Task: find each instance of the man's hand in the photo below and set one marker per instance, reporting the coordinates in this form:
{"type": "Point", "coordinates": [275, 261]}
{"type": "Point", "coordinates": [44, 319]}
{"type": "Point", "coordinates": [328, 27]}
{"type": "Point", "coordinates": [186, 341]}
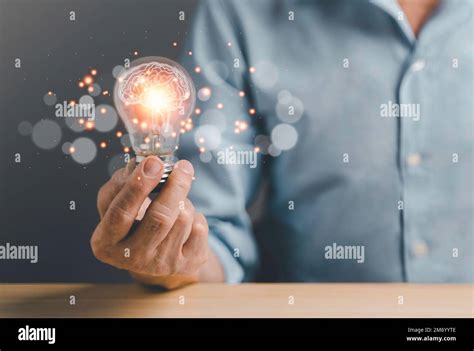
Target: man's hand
{"type": "Point", "coordinates": [169, 246]}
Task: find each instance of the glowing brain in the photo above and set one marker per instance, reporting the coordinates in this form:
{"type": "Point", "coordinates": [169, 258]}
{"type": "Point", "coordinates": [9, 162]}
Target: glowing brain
{"type": "Point", "coordinates": [155, 85]}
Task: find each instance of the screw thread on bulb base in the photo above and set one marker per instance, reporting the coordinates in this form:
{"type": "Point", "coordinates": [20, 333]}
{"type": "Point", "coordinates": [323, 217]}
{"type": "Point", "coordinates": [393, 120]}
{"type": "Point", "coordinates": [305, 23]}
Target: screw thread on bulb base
{"type": "Point", "coordinates": [169, 162]}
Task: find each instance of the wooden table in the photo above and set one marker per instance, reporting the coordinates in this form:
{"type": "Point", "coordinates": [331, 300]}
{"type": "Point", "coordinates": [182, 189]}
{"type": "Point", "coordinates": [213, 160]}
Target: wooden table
{"type": "Point", "coordinates": [245, 300]}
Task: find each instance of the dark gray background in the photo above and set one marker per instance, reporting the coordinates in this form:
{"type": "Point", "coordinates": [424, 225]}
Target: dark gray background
{"type": "Point", "coordinates": [55, 52]}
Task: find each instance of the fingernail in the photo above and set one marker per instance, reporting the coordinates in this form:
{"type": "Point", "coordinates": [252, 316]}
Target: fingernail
{"type": "Point", "coordinates": [185, 166]}
{"type": "Point", "coordinates": [152, 167]}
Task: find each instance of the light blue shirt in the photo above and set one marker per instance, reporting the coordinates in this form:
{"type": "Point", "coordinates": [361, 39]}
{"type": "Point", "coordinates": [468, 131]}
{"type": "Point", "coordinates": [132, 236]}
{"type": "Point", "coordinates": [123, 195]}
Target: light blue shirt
{"type": "Point", "coordinates": [365, 134]}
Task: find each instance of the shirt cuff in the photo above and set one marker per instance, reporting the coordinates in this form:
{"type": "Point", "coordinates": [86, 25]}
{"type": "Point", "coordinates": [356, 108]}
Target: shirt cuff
{"type": "Point", "coordinates": [232, 269]}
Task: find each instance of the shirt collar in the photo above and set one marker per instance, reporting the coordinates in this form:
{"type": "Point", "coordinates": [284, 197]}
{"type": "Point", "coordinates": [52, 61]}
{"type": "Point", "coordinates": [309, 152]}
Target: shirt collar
{"type": "Point", "coordinates": [393, 9]}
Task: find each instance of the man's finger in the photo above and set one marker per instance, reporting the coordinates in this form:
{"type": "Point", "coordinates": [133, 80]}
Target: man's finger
{"type": "Point", "coordinates": [163, 211]}
{"type": "Point", "coordinates": [124, 208]}
{"type": "Point", "coordinates": [180, 231]}
{"type": "Point", "coordinates": [110, 189]}
{"type": "Point", "coordinates": [197, 243]}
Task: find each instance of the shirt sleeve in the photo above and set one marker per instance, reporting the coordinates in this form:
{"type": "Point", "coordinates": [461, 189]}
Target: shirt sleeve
{"type": "Point", "coordinates": [214, 55]}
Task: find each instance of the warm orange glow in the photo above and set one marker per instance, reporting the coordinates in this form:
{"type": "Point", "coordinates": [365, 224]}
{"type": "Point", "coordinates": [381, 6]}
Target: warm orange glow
{"type": "Point", "coordinates": [197, 111]}
{"type": "Point", "coordinates": [252, 111]}
{"type": "Point", "coordinates": [88, 80]}
{"type": "Point", "coordinates": [81, 84]}
{"type": "Point", "coordinates": [94, 72]}
{"type": "Point", "coordinates": [103, 145]}
{"type": "Point", "coordinates": [126, 150]}
{"type": "Point", "coordinates": [119, 134]}
{"type": "Point", "coordinates": [197, 69]}
{"type": "Point", "coordinates": [72, 149]}
{"type": "Point", "coordinates": [206, 91]}
{"type": "Point", "coordinates": [220, 106]}
{"type": "Point", "coordinates": [242, 94]}
{"type": "Point", "coordinates": [103, 110]}
{"type": "Point", "coordinates": [89, 125]}
{"type": "Point", "coordinates": [158, 99]}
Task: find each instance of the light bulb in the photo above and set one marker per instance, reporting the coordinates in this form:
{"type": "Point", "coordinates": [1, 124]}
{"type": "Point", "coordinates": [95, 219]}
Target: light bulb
{"type": "Point", "coordinates": [153, 97]}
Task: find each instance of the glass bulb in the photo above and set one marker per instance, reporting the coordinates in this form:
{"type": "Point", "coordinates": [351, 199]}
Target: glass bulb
{"type": "Point", "coordinates": [153, 98]}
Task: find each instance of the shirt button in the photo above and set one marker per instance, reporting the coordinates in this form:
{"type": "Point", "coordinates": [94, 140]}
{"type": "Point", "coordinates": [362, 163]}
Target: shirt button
{"type": "Point", "coordinates": [420, 248]}
{"type": "Point", "coordinates": [414, 159]}
{"type": "Point", "coordinates": [418, 65]}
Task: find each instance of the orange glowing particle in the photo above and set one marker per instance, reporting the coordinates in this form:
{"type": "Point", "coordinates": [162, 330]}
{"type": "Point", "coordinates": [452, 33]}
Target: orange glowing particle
{"type": "Point", "coordinates": [103, 145]}
{"type": "Point", "coordinates": [189, 127]}
{"type": "Point", "coordinates": [119, 134]}
{"type": "Point", "coordinates": [126, 150]}
{"type": "Point", "coordinates": [50, 93]}
{"type": "Point", "coordinates": [89, 125]}
{"type": "Point", "coordinates": [103, 110]}
{"type": "Point", "coordinates": [144, 125]}
{"type": "Point", "coordinates": [173, 134]}
{"type": "Point", "coordinates": [183, 123]}
{"type": "Point", "coordinates": [81, 84]}
{"type": "Point", "coordinates": [135, 53]}
{"type": "Point", "coordinates": [257, 149]}
{"type": "Point", "coordinates": [72, 149]}
{"type": "Point", "coordinates": [252, 69]}
{"type": "Point", "coordinates": [206, 91]}
{"type": "Point", "coordinates": [197, 111]}
{"type": "Point", "coordinates": [182, 130]}
{"type": "Point", "coordinates": [242, 94]}
{"type": "Point", "coordinates": [190, 53]}
{"type": "Point", "coordinates": [139, 178]}
{"type": "Point", "coordinates": [237, 130]}
{"type": "Point", "coordinates": [105, 92]}
{"type": "Point", "coordinates": [81, 121]}
{"type": "Point", "coordinates": [201, 140]}
{"type": "Point", "coordinates": [90, 89]}
{"type": "Point", "coordinates": [220, 106]}
{"type": "Point", "coordinates": [197, 69]}
{"type": "Point", "coordinates": [252, 111]}
{"type": "Point", "coordinates": [135, 121]}
{"type": "Point", "coordinates": [157, 145]}
{"type": "Point", "coordinates": [175, 44]}
{"type": "Point", "coordinates": [147, 140]}
{"type": "Point", "coordinates": [243, 126]}
{"type": "Point", "coordinates": [72, 102]}
{"type": "Point", "coordinates": [94, 72]}
{"type": "Point", "coordinates": [202, 149]}
{"type": "Point", "coordinates": [88, 80]}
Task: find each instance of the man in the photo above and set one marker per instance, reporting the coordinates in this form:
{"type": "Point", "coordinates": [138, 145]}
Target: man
{"type": "Point", "coordinates": [365, 110]}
